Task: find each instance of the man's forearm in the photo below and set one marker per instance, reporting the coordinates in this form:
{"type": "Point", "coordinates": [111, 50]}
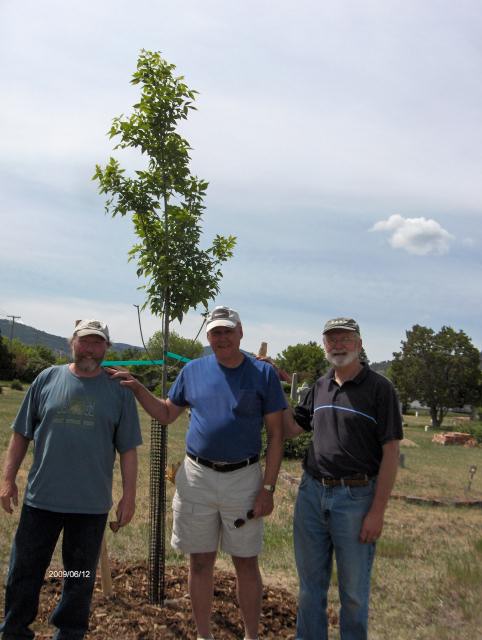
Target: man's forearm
{"type": "Point", "coordinates": [128, 466]}
{"type": "Point", "coordinates": [155, 407]}
{"type": "Point", "coordinates": [290, 427]}
{"type": "Point", "coordinates": [274, 452]}
{"type": "Point", "coordinates": [386, 476]}
{"type": "Point", "coordinates": [16, 451]}
{"type": "Point", "coordinates": [163, 411]}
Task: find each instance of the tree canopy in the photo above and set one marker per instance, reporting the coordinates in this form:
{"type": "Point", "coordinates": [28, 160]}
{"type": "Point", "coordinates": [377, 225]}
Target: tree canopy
{"type": "Point", "coordinates": [179, 345]}
{"type": "Point", "coordinates": [6, 367]}
{"type": "Point", "coordinates": [440, 370]}
{"type": "Point", "coordinates": [30, 360]}
{"type": "Point", "coordinates": [307, 360]}
{"type": "Point", "coordinates": [164, 198]}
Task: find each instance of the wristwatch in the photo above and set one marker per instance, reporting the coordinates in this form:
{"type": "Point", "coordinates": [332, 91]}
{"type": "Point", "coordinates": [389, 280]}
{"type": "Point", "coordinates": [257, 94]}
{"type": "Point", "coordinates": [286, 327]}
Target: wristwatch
{"type": "Point", "coordinates": [269, 487]}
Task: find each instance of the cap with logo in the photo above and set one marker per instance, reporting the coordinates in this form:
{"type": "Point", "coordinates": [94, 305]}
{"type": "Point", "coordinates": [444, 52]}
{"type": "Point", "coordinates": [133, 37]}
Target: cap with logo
{"type": "Point", "coordinates": [222, 317]}
{"type": "Point", "coordinates": [91, 327]}
{"type": "Point", "coordinates": [346, 324]}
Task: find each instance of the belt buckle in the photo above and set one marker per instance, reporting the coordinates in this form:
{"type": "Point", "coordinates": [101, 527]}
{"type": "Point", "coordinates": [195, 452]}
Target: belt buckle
{"type": "Point", "coordinates": [361, 481]}
{"type": "Point", "coordinates": [218, 466]}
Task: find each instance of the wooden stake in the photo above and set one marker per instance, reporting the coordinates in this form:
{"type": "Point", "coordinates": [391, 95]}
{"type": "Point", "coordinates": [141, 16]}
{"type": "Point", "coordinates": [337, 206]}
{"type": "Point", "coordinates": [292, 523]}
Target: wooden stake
{"type": "Point", "coordinates": [105, 575]}
{"type": "Point", "coordinates": [263, 350]}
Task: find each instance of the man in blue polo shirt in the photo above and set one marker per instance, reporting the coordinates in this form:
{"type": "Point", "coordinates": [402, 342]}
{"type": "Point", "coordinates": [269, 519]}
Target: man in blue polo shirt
{"type": "Point", "coordinates": [221, 491]}
{"type": "Point", "coordinates": [349, 472]}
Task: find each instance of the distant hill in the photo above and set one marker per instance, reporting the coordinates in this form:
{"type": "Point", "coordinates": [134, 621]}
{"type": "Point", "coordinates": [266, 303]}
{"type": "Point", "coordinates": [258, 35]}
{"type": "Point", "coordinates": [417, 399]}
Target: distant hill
{"type": "Point", "coordinates": [31, 336]}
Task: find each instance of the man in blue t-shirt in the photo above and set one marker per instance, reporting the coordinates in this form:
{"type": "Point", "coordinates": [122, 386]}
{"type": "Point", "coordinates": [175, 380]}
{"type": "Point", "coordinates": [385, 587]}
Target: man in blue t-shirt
{"type": "Point", "coordinates": [221, 491]}
{"type": "Point", "coordinates": [77, 418]}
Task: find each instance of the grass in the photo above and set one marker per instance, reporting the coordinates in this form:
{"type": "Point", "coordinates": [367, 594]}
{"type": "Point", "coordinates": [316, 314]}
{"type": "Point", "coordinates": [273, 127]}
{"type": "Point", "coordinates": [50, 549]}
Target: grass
{"type": "Point", "coordinates": [438, 471]}
{"type": "Point", "coordinates": [427, 578]}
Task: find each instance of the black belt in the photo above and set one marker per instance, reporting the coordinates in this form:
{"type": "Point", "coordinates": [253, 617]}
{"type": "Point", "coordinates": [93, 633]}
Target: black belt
{"type": "Point", "coordinates": [358, 480]}
{"type": "Point", "coordinates": [223, 466]}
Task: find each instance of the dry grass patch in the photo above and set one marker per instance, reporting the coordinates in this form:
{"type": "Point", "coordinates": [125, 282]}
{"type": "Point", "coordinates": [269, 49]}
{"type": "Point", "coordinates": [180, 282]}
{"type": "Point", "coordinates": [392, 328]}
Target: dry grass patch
{"type": "Point", "coordinates": [427, 582]}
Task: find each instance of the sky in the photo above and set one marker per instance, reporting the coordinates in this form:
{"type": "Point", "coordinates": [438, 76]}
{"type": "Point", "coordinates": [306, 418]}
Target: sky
{"type": "Point", "coordinates": [341, 142]}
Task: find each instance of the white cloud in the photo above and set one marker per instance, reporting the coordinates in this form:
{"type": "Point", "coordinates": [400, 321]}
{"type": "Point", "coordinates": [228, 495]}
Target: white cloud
{"type": "Point", "coordinates": [420, 236]}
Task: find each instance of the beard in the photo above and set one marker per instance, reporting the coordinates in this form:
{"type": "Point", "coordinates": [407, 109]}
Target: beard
{"type": "Point", "coordinates": [343, 360]}
{"type": "Point", "coordinates": [87, 364]}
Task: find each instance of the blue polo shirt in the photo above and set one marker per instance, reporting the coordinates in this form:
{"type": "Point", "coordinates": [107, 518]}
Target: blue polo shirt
{"type": "Point", "coordinates": [227, 406]}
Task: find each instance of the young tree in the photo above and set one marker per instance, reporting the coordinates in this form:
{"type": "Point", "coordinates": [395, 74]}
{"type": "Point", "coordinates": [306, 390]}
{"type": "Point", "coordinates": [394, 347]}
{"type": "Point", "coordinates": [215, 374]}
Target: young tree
{"type": "Point", "coordinates": [441, 370]}
{"type": "Point", "coordinates": [164, 198]}
{"type": "Point", "coordinates": [166, 204]}
{"type": "Point", "coordinates": [308, 360]}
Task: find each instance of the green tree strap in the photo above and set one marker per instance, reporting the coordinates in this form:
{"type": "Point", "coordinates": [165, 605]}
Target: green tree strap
{"type": "Point", "coordinates": [143, 363]}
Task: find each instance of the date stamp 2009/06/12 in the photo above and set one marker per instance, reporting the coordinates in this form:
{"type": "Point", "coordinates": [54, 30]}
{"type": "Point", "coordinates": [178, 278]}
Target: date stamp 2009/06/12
{"type": "Point", "coordinates": [61, 573]}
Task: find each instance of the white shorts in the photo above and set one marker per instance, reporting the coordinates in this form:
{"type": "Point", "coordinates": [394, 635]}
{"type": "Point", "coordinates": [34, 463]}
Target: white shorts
{"type": "Point", "coordinates": [206, 505]}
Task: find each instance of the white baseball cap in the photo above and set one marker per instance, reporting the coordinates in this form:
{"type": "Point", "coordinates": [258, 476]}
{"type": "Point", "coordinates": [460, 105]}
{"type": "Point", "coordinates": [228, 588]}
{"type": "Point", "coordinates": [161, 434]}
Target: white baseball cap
{"type": "Point", "coordinates": [222, 317]}
{"type": "Point", "coordinates": [91, 327]}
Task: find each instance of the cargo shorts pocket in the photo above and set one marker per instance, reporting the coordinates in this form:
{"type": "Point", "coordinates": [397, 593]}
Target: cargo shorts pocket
{"type": "Point", "coordinates": [195, 527]}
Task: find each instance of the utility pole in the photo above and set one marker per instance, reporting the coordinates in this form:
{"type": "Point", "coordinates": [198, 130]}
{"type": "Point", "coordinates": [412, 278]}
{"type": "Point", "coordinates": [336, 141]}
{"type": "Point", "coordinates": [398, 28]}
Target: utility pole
{"type": "Point", "coordinates": [12, 327]}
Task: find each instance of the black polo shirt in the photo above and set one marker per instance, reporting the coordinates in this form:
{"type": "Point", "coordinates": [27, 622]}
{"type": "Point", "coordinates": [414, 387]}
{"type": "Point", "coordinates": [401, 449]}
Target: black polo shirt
{"type": "Point", "coordinates": [350, 423]}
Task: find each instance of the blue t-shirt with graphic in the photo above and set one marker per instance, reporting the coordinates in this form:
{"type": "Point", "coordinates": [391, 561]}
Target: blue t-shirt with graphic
{"type": "Point", "coordinates": [227, 406]}
{"type": "Point", "coordinates": [77, 424]}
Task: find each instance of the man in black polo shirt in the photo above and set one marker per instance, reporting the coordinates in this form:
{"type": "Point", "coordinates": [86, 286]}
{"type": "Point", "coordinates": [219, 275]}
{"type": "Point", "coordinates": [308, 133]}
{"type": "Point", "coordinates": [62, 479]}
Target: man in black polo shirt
{"type": "Point", "coordinates": [349, 471]}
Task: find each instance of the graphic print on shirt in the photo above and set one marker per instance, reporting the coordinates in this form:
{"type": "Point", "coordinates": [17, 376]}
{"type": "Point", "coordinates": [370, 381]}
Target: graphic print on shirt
{"type": "Point", "coordinates": [78, 412]}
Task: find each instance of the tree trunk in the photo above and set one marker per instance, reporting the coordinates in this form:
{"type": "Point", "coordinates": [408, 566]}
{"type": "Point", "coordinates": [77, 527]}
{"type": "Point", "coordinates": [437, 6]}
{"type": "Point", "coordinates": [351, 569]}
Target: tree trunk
{"type": "Point", "coordinates": [157, 515]}
{"type": "Point", "coordinates": [436, 422]}
{"type": "Point", "coordinates": [165, 343]}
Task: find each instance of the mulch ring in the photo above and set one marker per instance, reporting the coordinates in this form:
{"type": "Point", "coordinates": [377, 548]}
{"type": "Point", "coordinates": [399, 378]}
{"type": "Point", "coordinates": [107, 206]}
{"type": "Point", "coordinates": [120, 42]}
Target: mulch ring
{"type": "Point", "coordinates": [129, 616]}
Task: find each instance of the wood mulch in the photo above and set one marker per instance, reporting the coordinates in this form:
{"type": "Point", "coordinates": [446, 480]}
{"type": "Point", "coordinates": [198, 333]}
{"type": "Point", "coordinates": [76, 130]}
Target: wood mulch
{"type": "Point", "coordinates": [129, 616]}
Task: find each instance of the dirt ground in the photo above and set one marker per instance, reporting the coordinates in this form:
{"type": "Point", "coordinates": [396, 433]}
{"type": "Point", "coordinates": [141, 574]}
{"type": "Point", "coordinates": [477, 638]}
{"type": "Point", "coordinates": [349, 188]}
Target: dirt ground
{"type": "Point", "coordinates": [129, 616]}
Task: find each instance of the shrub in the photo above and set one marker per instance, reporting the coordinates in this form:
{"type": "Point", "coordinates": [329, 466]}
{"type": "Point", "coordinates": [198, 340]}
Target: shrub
{"type": "Point", "coordinates": [17, 385]}
{"type": "Point", "coordinates": [294, 448]}
{"type": "Point", "coordinates": [475, 430]}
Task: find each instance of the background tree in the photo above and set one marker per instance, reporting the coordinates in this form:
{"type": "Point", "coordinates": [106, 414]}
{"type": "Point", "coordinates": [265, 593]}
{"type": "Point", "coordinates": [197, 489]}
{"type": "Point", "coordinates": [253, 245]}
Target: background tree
{"type": "Point", "coordinates": [178, 345]}
{"type": "Point", "coordinates": [440, 370]}
{"type": "Point", "coordinates": [166, 204]}
{"type": "Point", "coordinates": [308, 360]}
{"type": "Point", "coordinates": [29, 360]}
{"type": "Point", "coordinates": [6, 360]}
{"type": "Point", "coordinates": [39, 358]}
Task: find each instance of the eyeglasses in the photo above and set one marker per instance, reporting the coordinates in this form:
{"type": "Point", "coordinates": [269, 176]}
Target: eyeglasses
{"type": "Point", "coordinates": [240, 521]}
{"type": "Point", "coordinates": [344, 341]}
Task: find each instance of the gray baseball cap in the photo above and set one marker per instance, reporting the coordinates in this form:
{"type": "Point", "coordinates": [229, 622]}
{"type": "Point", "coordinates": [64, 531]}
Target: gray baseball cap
{"type": "Point", "coordinates": [346, 324]}
{"type": "Point", "coordinates": [91, 327]}
{"type": "Point", "coordinates": [222, 317]}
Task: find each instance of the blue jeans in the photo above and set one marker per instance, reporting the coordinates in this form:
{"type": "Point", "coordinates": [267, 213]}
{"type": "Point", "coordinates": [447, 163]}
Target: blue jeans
{"type": "Point", "coordinates": [329, 519]}
{"type": "Point", "coordinates": [33, 546]}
